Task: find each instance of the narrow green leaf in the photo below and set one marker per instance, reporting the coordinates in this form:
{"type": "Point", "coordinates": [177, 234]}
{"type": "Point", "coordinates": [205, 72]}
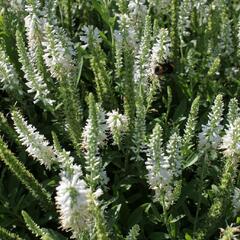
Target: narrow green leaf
{"type": "Point", "coordinates": [27, 179]}
{"type": "Point", "coordinates": [6, 235]}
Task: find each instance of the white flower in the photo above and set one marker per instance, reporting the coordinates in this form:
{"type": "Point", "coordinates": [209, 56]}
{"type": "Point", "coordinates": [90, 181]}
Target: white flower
{"type": "Point", "coordinates": [233, 111]}
{"type": "Point", "coordinates": [94, 136]}
{"type": "Point", "coordinates": [59, 52]}
{"type": "Point", "coordinates": [34, 79]}
{"type": "Point", "coordinates": [66, 161]}
{"type": "Point", "coordinates": [37, 145]}
{"type": "Point", "coordinates": [203, 11]}
{"type": "Point", "coordinates": [98, 193]}
{"type": "Point", "coordinates": [210, 137]}
{"type": "Point", "coordinates": [90, 35]}
{"type": "Point", "coordinates": [231, 139]}
{"type": "Point", "coordinates": [137, 13]}
{"type": "Point", "coordinates": [37, 85]}
{"type": "Point", "coordinates": [128, 30]}
{"type": "Point", "coordinates": [72, 200]}
{"type": "Point", "coordinates": [159, 175]}
{"type": "Point", "coordinates": [118, 36]}
{"type": "Point", "coordinates": [118, 52]}
{"type": "Point", "coordinates": [137, 9]}
{"type": "Point", "coordinates": [173, 155]}
{"type": "Point", "coordinates": [161, 50]}
{"type": "Point", "coordinates": [100, 131]}
{"type": "Point", "coordinates": [17, 5]}
{"type": "Point", "coordinates": [8, 75]}
{"type": "Point", "coordinates": [34, 24]}
{"type": "Point", "coordinates": [117, 123]}
{"type": "Point", "coordinates": [184, 21]}
{"type": "Point", "coordinates": [160, 6]}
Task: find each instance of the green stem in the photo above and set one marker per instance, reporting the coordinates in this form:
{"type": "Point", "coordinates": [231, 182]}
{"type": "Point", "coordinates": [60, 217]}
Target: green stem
{"type": "Point", "coordinates": [205, 160]}
{"type": "Point", "coordinates": [165, 216]}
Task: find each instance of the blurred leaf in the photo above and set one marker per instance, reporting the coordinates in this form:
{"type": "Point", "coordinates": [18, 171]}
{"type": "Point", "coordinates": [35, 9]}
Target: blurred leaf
{"type": "Point", "coordinates": [188, 237]}
{"type": "Point", "coordinates": [192, 159]}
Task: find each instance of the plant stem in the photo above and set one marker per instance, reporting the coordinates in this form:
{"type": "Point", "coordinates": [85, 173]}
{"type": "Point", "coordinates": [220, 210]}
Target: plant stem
{"type": "Point", "coordinates": [205, 160]}
{"type": "Point", "coordinates": [165, 216]}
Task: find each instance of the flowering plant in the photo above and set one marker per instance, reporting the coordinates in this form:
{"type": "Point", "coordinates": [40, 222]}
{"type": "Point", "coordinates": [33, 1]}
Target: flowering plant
{"type": "Point", "coordinates": [114, 120]}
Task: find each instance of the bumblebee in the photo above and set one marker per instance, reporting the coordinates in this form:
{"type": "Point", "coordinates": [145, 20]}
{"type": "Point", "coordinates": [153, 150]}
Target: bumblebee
{"type": "Point", "coordinates": [163, 68]}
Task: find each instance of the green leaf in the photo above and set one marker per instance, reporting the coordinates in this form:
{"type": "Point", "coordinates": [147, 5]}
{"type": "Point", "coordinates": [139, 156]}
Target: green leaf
{"type": "Point", "coordinates": [31, 225]}
{"type": "Point", "coordinates": [6, 235]}
{"type": "Point", "coordinates": [176, 219]}
{"type": "Point", "coordinates": [136, 216]}
{"type": "Point", "coordinates": [79, 72]}
{"type": "Point", "coordinates": [191, 160]}
{"type": "Point", "coordinates": [25, 176]}
{"type": "Point", "coordinates": [180, 110]}
{"type": "Point", "coordinates": [188, 237]}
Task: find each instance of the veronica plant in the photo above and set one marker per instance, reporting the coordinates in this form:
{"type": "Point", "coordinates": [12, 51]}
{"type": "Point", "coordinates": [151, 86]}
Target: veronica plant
{"type": "Point", "coordinates": [113, 81]}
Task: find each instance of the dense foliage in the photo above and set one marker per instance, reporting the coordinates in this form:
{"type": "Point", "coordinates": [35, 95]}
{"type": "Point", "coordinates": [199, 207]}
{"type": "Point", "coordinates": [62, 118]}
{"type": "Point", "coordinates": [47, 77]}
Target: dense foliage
{"type": "Point", "coordinates": [119, 119]}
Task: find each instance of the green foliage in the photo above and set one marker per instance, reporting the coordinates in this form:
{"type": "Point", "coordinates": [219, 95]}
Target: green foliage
{"type": "Point", "coordinates": [44, 234]}
{"type": "Point", "coordinates": [32, 226]}
{"type": "Point", "coordinates": [5, 234]}
{"type": "Point", "coordinates": [134, 233]}
{"type": "Point", "coordinates": [129, 99]}
{"type": "Point", "coordinates": [25, 176]}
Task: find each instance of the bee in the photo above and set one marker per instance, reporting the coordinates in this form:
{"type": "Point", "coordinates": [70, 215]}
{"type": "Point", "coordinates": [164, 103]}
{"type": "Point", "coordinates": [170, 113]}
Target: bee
{"type": "Point", "coordinates": [161, 69]}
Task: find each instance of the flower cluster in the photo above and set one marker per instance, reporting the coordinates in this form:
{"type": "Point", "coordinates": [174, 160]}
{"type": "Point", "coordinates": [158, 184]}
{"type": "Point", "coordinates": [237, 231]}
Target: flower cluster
{"type": "Point", "coordinates": [210, 135]}
{"type": "Point", "coordinates": [58, 52]}
{"type": "Point", "coordinates": [118, 52]}
{"type": "Point", "coordinates": [137, 10]}
{"type": "Point", "coordinates": [117, 123]}
{"type": "Point", "coordinates": [34, 30]}
{"type": "Point", "coordinates": [161, 50]}
{"type": "Point", "coordinates": [94, 136]}
{"type": "Point", "coordinates": [191, 124]}
{"type": "Point", "coordinates": [203, 9]}
{"type": "Point", "coordinates": [143, 55]}
{"type": "Point", "coordinates": [75, 200]}
{"type": "Point", "coordinates": [173, 155]}
{"type": "Point", "coordinates": [100, 132]}
{"type": "Point", "coordinates": [35, 80]}
{"type": "Point", "coordinates": [139, 133]}
{"type": "Point", "coordinates": [131, 21]}
{"type": "Point", "coordinates": [127, 30]}
{"type": "Point", "coordinates": [231, 139]}
{"type": "Point", "coordinates": [233, 111]}
{"type": "Point", "coordinates": [8, 75]}
{"type": "Point", "coordinates": [230, 232]}
{"type": "Point", "coordinates": [184, 21]}
{"type": "Point", "coordinates": [33, 19]}
{"type": "Point", "coordinates": [225, 35]}
{"type": "Point", "coordinates": [17, 5]}
{"type": "Point", "coordinates": [72, 199]}
{"type": "Point", "coordinates": [37, 145]}
{"type": "Point", "coordinates": [159, 173]}
{"type": "Point", "coordinates": [164, 170]}
{"type": "Point", "coordinates": [90, 36]}
{"type": "Point", "coordinates": [160, 6]}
